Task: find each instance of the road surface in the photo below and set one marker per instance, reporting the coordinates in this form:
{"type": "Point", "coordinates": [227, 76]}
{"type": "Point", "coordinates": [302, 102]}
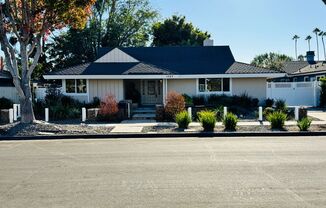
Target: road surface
{"type": "Point", "coordinates": [183, 172]}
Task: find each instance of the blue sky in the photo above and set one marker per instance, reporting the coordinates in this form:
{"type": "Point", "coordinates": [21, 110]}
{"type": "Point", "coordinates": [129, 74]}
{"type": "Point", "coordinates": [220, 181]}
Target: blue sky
{"type": "Point", "coordinates": [252, 27]}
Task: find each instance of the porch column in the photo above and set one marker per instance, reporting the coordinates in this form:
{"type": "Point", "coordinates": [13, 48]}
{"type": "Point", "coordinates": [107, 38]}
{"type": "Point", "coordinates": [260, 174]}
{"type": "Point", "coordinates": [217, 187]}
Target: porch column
{"type": "Point", "coordinates": [165, 89]}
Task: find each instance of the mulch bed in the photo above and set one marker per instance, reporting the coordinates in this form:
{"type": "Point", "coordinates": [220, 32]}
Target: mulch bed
{"type": "Point", "coordinates": [41, 128]}
{"type": "Point", "coordinates": [261, 128]}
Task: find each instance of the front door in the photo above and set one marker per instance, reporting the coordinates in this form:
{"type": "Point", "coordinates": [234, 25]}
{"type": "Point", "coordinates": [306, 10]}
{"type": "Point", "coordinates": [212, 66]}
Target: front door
{"type": "Point", "coordinates": [152, 92]}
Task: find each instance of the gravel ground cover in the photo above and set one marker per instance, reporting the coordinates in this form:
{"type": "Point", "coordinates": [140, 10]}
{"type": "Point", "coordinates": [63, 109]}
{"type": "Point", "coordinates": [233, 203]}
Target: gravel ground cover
{"type": "Point", "coordinates": [42, 128]}
{"type": "Point", "coordinates": [260, 128]}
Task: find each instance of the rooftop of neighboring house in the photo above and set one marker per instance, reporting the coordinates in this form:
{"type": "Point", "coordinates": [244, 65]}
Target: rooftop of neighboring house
{"type": "Point", "coordinates": [304, 67]}
{"type": "Point", "coordinates": [164, 61]}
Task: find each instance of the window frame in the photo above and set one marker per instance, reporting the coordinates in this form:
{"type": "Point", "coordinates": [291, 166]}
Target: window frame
{"type": "Point", "coordinates": [214, 92]}
{"type": "Point", "coordinates": [76, 91]}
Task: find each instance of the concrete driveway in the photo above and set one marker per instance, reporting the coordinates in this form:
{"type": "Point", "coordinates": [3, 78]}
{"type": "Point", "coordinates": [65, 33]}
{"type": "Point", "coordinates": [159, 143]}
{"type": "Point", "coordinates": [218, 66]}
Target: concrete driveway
{"type": "Point", "coordinates": [221, 172]}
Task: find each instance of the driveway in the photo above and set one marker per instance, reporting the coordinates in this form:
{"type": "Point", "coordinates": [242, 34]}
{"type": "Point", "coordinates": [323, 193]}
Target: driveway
{"type": "Point", "coordinates": [320, 114]}
{"type": "Point", "coordinates": [190, 172]}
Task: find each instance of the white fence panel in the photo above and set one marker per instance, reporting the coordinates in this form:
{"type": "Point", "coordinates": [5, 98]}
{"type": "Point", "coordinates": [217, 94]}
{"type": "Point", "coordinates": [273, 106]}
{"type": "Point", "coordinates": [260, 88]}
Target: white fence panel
{"type": "Point", "coordinates": [295, 93]}
{"type": "Point", "coordinates": [9, 93]}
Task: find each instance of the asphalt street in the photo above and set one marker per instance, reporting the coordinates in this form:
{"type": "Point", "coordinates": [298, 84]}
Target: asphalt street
{"type": "Point", "coordinates": [181, 172]}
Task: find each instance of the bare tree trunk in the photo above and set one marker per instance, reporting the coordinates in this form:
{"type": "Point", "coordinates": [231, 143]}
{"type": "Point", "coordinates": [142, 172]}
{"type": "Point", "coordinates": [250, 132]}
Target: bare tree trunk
{"type": "Point", "coordinates": [322, 38]}
{"type": "Point", "coordinates": [27, 113]}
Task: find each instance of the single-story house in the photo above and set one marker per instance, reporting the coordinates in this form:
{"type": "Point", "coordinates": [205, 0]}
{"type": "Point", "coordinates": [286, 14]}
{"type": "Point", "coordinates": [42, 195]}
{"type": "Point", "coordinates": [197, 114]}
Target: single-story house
{"type": "Point", "coordinates": [303, 71]}
{"type": "Point", "coordinates": [151, 72]}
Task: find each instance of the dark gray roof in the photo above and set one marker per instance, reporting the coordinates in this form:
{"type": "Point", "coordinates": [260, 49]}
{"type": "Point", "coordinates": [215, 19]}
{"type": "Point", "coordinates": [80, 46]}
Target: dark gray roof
{"type": "Point", "coordinates": [142, 68]}
{"type": "Point", "coordinates": [243, 68]}
{"type": "Point", "coordinates": [168, 60]}
{"type": "Point", "coordinates": [291, 67]}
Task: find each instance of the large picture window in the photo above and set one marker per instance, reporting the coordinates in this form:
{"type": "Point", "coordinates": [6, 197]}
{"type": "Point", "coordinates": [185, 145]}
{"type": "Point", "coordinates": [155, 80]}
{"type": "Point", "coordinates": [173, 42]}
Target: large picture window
{"type": "Point", "coordinates": [78, 86]}
{"type": "Point", "coordinates": [214, 85]}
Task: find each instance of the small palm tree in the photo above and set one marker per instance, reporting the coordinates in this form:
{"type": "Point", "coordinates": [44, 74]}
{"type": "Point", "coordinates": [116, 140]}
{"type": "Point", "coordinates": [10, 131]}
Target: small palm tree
{"type": "Point", "coordinates": [317, 31]}
{"type": "Point", "coordinates": [308, 38]}
{"type": "Point", "coordinates": [295, 38]}
{"type": "Point", "coordinates": [322, 34]}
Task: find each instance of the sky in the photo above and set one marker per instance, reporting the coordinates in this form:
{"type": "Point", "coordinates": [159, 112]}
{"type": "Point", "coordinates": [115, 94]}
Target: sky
{"type": "Point", "coordinates": [252, 27]}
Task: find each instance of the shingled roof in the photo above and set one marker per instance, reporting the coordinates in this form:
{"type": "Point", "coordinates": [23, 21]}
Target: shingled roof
{"type": "Point", "coordinates": [164, 60]}
{"type": "Point", "coordinates": [243, 68]}
{"type": "Point", "coordinates": [291, 67]}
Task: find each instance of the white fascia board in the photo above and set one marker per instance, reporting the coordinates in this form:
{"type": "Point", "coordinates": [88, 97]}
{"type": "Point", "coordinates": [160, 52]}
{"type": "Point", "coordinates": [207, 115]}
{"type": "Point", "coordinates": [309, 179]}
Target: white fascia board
{"type": "Point", "coordinates": [192, 76]}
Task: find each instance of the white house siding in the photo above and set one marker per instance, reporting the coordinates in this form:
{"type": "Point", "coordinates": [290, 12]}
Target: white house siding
{"type": "Point", "coordinates": [9, 93]}
{"type": "Point", "coordinates": [183, 86]}
{"type": "Point", "coordinates": [101, 88]}
{"type": "Point", "coordinates": [255, 87]}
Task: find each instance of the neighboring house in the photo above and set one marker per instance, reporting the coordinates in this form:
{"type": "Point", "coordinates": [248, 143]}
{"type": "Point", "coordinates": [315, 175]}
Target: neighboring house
{"type": "Point", "coordinates": [7, 88]}
{"type": "Point", "coordinates": [147, 74]}
{"type": "Point", "coordinates": [303, 71]}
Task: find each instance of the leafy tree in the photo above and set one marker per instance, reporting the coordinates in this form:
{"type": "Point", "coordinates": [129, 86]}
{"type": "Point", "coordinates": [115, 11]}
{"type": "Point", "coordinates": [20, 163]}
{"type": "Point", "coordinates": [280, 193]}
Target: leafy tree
{"type": "Point", "coordinates": [271, 60]}
{"type": "Point", "coordinates": [175, 31]}
{"type": "Point", "coordinates": [26, 24]}
{"type": "Point", "coordinates": [129, 23]}
{"type": "Point", "coordinates": [301, 57]}
{"type": "Point", "coordinates": [73, 47]}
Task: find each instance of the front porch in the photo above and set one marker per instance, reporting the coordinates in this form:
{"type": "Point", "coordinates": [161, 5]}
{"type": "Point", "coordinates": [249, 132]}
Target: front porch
{"type": "Point", "coordinates": [145, 92]}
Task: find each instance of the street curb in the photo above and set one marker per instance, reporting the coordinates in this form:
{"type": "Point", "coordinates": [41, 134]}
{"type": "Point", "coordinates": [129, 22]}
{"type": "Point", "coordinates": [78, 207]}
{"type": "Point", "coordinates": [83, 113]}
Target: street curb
{"type": "Point", "coordinates": [167, 135]}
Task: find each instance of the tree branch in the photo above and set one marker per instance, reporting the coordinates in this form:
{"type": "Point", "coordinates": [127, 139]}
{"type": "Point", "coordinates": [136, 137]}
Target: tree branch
{"type": "Point", "coordinates": [36, 57]}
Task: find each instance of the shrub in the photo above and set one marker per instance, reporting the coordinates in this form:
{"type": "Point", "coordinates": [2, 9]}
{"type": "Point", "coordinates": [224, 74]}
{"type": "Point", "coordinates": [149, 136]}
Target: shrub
{"type": "Point", "coordinates": [109, 108]}
{"type": "Point", "coordinates": [38, 107]}
{"type": "Point", "coordinates": [175, 104]}
{"type": "Point", "coordinates": [269, 103]}
{"type": "Point", "coordinates": [277, 119]}
{"type": "Point", "coordinates": [198, 100]}
{"type": "Point", "coordinates": [322, 92]}
{"type": "Point", "coordinates": [69, 101]}
{"type": "Point", "coordinates": [230, 122]}
{"type": "Point", "coordinates": [280, 105]}
{"type": "Point", "coordinates": [254, 102]}
{"type": "Point", "coordinates": [217, 100]}
{"type": "Point", "coordinates": [304, 124]}
{"type": "Point", "coordinates": [96, 103]}
{"type": "Point", "coordinates": [219, 111]}
{"type": "Point", "coordinates": [188, 99]}
{"type": "Point", "coordinates": [5, 103]}
{"type": "Point", "coordinates": [183, 119]}
{"type": "Point", "coordinates": [53, 95]}
{"type": "Point", "coordinates": [268, 111]}
{"type": "Point", "coordinates": [207, 120]}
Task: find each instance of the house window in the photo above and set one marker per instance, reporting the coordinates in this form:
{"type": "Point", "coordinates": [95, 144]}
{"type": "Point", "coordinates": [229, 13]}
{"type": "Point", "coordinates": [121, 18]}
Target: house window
{"type": "Point", "coordinates": [295, 79]}
{"type": "Point", "coordinates": [214, 85]}
{"type": "Point", "coordinates": [78, 86]}
{"type": "Point", "coordinates": [318, 78]}
{"type": "Point", "coordinates": [306, 79]}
